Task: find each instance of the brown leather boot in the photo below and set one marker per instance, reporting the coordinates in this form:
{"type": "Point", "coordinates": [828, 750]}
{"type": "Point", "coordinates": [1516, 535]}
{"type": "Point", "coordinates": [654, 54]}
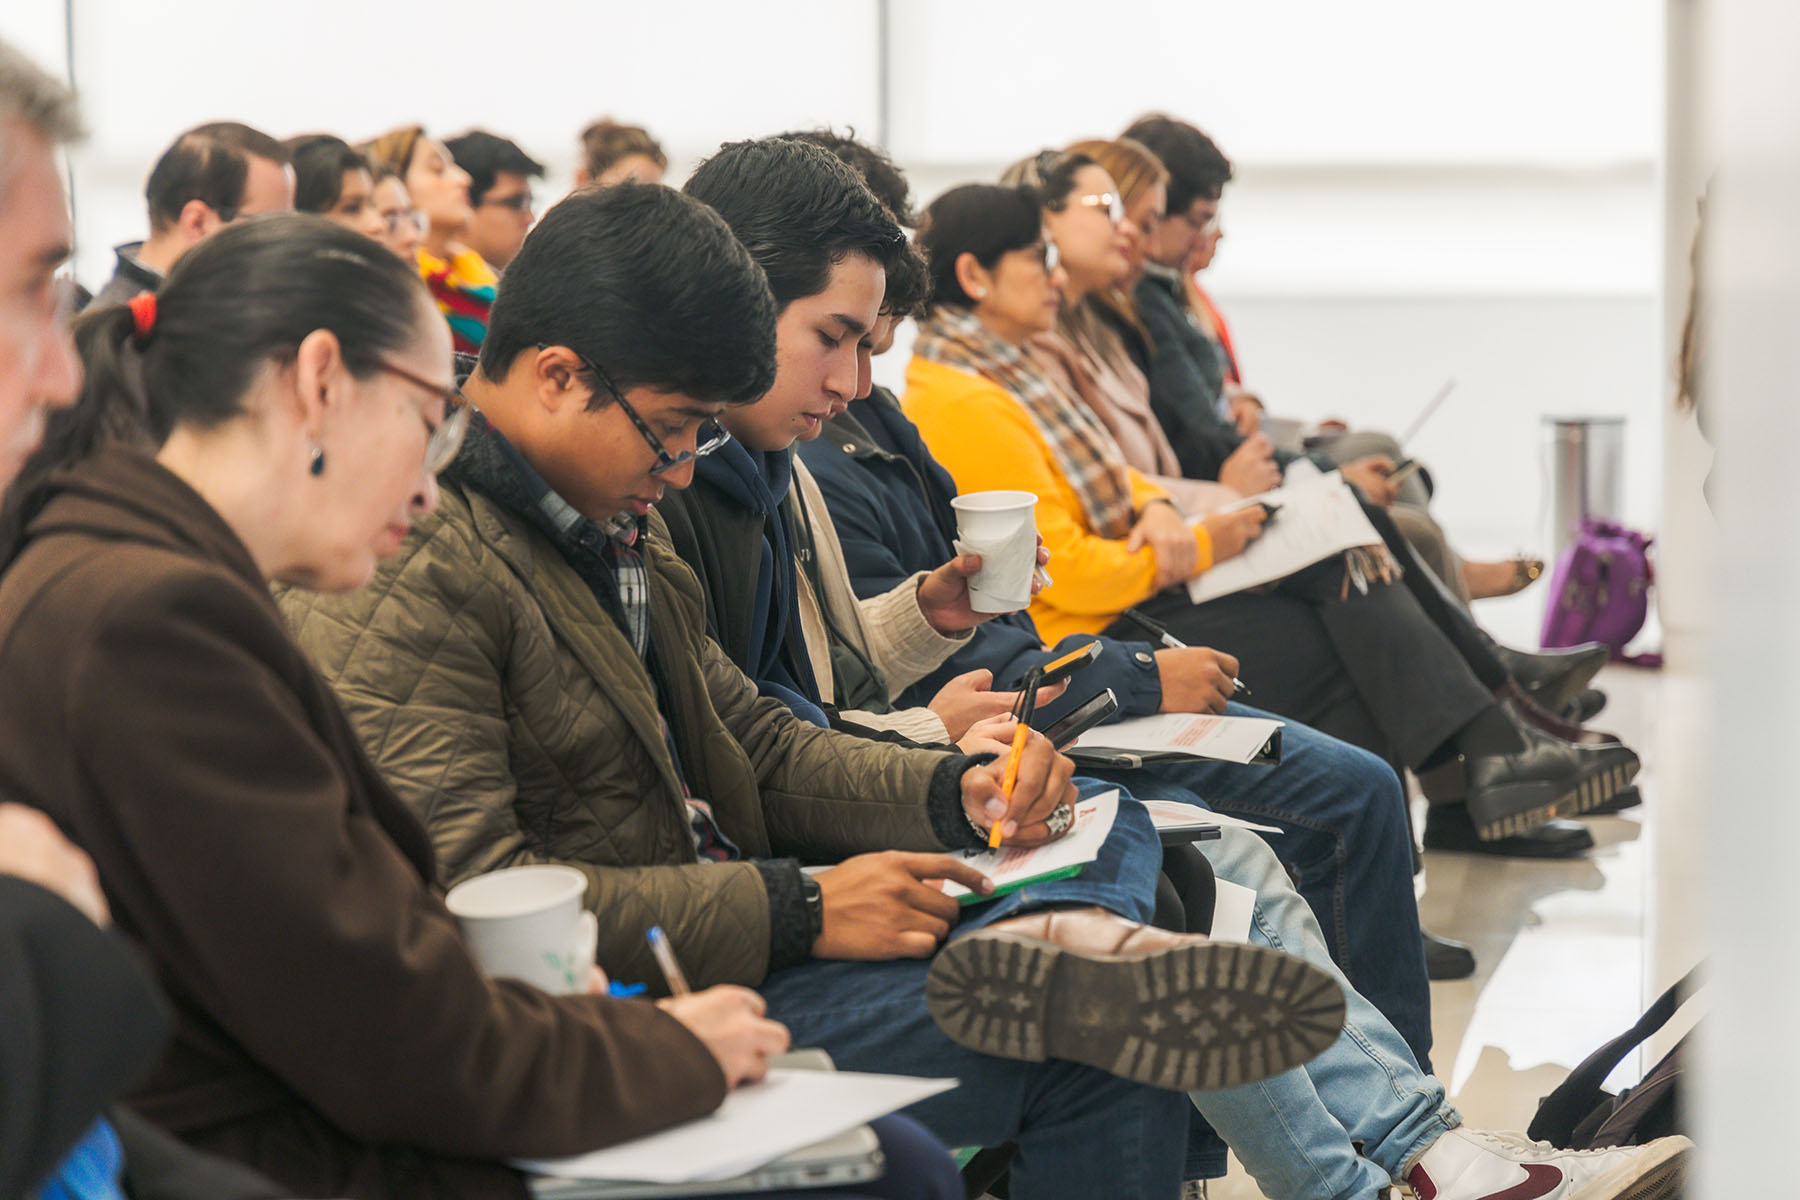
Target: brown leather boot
{"type": "Point", "coordinates": [1172, 1010]}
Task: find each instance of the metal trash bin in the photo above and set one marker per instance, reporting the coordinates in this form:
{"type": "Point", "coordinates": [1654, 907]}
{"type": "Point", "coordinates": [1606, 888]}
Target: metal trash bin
{"type": "Point", "coordinates": [1585, 462]}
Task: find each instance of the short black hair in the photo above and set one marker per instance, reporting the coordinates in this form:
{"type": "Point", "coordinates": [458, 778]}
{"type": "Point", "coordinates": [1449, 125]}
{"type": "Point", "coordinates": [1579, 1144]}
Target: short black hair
{"type": "Point", "coordinates": [648, 283]}
{"type": "Point", "coordinates": [320, 162]}
{"type": "Point", "coordinates": [983, 219]}
{"type": "Point", "coordinates": [907, 284]}
{"type": "Point", "coordinates": [1197, 168]}
{"type": "Point", "coordinates": [880, 172]}
{"type": "Point", "coordinates": [208, 163]}
{"type": "Point", "coordinates": [485, 155]}
{"type": "Point", "coordinates": [799, 210]}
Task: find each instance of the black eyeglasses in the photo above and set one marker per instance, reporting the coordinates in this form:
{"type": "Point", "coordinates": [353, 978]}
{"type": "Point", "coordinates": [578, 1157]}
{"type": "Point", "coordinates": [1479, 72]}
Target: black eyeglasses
{"type": "Point", "coordinates": [518, 202]}
{"type": "Point", "coordinates": [710, 437]}
{"type": "Point", "coordinates": [446, 437]}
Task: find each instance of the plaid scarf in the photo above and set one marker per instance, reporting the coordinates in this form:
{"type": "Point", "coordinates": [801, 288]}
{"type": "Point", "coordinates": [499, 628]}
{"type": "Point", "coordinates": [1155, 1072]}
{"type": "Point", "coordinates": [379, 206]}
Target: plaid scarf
{"type": "Point", "coordinates": [1084, 451]}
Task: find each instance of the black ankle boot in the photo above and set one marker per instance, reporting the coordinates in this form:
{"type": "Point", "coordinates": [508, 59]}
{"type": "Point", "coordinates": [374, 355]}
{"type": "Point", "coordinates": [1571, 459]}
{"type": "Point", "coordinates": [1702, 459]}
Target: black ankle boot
{"type": "Point", "coordinates": [1554, 677]}
{"type": "Point", "coordinates": [1448, 828]}
{"type": "Point", "coordinates": [1513, 783]}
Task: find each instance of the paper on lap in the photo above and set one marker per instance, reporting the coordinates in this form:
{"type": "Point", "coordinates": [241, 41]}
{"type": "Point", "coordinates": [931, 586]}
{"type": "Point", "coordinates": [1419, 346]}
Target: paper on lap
{"type": "Point", "coordinates": [1319, 517]}
{"type": "Point", "coordinates": [757, 1124]}
{"type": "Point", "coordinates": [1013, 867]}
{"type": "Point", "coordinates": [1228, 739]}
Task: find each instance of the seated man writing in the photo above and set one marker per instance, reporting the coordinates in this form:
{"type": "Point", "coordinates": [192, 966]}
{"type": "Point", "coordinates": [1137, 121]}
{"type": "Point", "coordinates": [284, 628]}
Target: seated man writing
{"type": "Point", "coordinates": [531, 674]}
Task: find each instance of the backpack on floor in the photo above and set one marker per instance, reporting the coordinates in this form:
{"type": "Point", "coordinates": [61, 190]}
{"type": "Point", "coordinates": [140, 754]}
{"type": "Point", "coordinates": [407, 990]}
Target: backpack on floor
{"type": "Point", "coordinates": [1600, 589]}
{"type": "Point", "coordinates": [1582, 1115]}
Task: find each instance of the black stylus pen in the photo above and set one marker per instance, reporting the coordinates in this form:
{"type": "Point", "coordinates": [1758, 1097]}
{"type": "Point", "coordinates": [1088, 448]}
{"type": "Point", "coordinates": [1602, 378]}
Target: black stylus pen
{"type": "Point", "coordinates": [1156, 630]}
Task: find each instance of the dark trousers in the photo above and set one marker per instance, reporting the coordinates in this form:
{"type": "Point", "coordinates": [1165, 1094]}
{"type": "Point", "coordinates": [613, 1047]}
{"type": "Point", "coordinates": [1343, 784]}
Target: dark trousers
{"type": "Point", "coordinates": [1370, 668]}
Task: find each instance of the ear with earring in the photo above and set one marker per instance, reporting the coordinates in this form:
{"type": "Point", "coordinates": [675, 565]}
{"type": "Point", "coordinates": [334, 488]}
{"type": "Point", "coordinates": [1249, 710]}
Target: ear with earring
{"type": "Point", "coordinates": [317, 466]}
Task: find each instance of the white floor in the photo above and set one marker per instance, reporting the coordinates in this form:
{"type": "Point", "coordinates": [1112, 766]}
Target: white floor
{"type": "Point", "coordinates": [1569, 953]}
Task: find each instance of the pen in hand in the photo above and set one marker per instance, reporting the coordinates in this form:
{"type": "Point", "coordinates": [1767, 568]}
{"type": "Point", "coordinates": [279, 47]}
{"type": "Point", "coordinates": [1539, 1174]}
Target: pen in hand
{"type": "Point", "coordinates": [1022, 710]}
{"type": "Point", "coordinates": [1157, 630]}
{"type": "Point", "coordinates": [665, 961]}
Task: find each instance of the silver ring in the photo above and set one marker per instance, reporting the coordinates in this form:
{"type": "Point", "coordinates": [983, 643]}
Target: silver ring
{"type": "Point", "coordinates": [1059, 820]}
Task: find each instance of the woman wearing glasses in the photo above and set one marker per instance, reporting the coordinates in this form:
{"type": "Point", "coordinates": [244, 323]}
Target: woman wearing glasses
{"type": "Point", "coordinates": [331, 1029]}
{"type": "Point", "coordinates": [402, 225]}
{"type": "Point", "coordinates": [1342, 646]}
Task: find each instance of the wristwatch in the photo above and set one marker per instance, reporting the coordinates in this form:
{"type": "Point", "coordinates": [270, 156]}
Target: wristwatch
{"type": "Point", "coordinates": [815, 904]}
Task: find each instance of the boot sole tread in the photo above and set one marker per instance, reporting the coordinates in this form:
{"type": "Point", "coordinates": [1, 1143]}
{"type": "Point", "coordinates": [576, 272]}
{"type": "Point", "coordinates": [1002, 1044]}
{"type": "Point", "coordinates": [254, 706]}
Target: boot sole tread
{"type": "Point", "coordinates": [1197, 1016]}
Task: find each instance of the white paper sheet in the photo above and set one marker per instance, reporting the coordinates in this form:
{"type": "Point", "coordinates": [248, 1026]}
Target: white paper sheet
{"type": "Point", "coordinates": [1232, 904]}
{"type": "Point", "coordinates": [757, 1124]}
{"type": "Point", "coordinates": [1319, 517]}
{"type": "Point", "coordinates": [1093, 821]}
{"type": "Point", "coordinates": [1229, 739]}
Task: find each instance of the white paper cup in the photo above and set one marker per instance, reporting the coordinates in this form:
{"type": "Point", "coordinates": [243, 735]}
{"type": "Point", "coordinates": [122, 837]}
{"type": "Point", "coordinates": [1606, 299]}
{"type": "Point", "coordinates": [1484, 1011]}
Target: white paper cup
{"type": "Point", "coordinates": [527, 923]}
{"type": "Point", "coordinates": [1001, 527]}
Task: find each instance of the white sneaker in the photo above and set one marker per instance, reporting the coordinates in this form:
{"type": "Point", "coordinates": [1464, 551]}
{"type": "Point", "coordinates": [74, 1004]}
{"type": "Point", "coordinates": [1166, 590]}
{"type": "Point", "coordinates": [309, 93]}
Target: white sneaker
{"type": "Point", "coordinates": [1474, 1164]}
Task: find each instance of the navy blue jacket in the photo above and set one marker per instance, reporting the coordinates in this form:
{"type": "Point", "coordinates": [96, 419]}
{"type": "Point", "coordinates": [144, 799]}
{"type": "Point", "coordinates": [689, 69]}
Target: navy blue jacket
{"type": "Point", "coordinates": [890, 505]}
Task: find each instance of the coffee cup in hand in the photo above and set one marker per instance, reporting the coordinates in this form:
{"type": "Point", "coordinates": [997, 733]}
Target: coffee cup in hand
{"type": "Point", "coordinates": [1002, 528]}
{"type": "Point", "coordinates": [528, 923]}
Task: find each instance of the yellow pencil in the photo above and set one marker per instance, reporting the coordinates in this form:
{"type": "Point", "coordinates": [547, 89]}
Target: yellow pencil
{"type": "Point", "coordinates": [1009, 779]}
{"type": "Point", "coordinates": [1023, 707]}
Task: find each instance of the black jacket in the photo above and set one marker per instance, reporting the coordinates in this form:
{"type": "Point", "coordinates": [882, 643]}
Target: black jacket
{"type": "Point", "coordinates": [890, 505]}
{"type": "Point", "coordinates": [1186, 376]}
{"type": "Point", "coordinates": [80, 1022]}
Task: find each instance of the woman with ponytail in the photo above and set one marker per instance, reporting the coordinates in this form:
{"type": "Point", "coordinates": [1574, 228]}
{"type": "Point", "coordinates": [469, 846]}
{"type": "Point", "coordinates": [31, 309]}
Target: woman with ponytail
{"type": "Point", "coordinates": [277, 413]}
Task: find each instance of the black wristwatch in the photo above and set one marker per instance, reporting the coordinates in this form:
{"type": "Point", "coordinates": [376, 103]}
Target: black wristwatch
{"type": "Point", "coordinates": [815, 905]}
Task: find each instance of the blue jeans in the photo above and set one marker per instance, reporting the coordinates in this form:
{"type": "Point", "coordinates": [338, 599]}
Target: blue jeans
{"type": "Point", "coordinates": [1081, 1132]}
{"type": "Point", "coordinates": [1342, 814]}
{"type": "Point", "coordinates": [1293, 1132]}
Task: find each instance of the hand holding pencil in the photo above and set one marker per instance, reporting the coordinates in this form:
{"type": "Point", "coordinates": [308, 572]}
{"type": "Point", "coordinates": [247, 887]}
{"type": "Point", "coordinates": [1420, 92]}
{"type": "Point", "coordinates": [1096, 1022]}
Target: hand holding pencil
{"type": "Point", "coordinates": [1016, 797]}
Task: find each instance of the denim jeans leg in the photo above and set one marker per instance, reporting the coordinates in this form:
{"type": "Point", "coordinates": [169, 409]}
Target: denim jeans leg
{"type": "Point", "coordinates": [1344, 833]}
{"type": "Point", "coordinates": [1081, 1132]}
{"type": "Point", "coordinates": [1293, 1132]}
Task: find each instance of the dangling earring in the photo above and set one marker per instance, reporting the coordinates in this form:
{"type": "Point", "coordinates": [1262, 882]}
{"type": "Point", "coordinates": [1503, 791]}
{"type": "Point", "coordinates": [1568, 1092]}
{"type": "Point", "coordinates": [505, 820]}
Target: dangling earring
{"type": "Point", "coordinates": [318, 460]}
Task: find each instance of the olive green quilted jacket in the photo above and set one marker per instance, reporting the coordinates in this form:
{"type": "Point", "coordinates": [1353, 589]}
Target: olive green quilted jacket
{"type": "Point", "coordinates": [504, 705]}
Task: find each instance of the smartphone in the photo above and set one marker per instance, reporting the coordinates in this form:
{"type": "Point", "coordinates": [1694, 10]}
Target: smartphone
{"type": "Point", "coordinates": [1082, 719]}
{"type": "Point", "coordinates": [1407, 467]}
{"type": "Point", "coordinates": [1059, 669]}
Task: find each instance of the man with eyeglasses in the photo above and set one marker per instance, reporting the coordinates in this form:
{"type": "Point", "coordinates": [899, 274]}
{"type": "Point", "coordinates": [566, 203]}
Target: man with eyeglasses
{"type": "Point", "coordinates": [500, 176]}
{"type": "Point", "coordinates": [209, 177]}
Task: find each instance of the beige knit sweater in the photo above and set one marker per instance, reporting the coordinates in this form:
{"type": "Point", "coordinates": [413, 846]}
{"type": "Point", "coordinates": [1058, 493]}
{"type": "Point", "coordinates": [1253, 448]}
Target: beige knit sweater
{"type": "Point", "coordinates": [888, 629]}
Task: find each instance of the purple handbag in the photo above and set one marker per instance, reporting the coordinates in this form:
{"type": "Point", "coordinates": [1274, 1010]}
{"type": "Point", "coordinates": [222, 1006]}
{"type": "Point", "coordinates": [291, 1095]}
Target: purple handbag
{"type": "Point", "coordinates": [1600, 590]}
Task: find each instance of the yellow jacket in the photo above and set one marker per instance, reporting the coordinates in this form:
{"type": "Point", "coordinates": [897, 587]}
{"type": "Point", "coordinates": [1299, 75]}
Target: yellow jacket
{"type": "Point", "coordinates": [988, 442]}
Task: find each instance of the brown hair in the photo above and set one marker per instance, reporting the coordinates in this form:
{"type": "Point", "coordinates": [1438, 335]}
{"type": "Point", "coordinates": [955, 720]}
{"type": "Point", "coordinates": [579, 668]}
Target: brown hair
{"type": "Point", "coordinates": [1135, 170]}
{"type": "Point", "coordinates": [605, 142]}
{"type": "Point", "coordinates": [1130, 163]}
{"type": "Point", "coordinates": [394, 149]}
